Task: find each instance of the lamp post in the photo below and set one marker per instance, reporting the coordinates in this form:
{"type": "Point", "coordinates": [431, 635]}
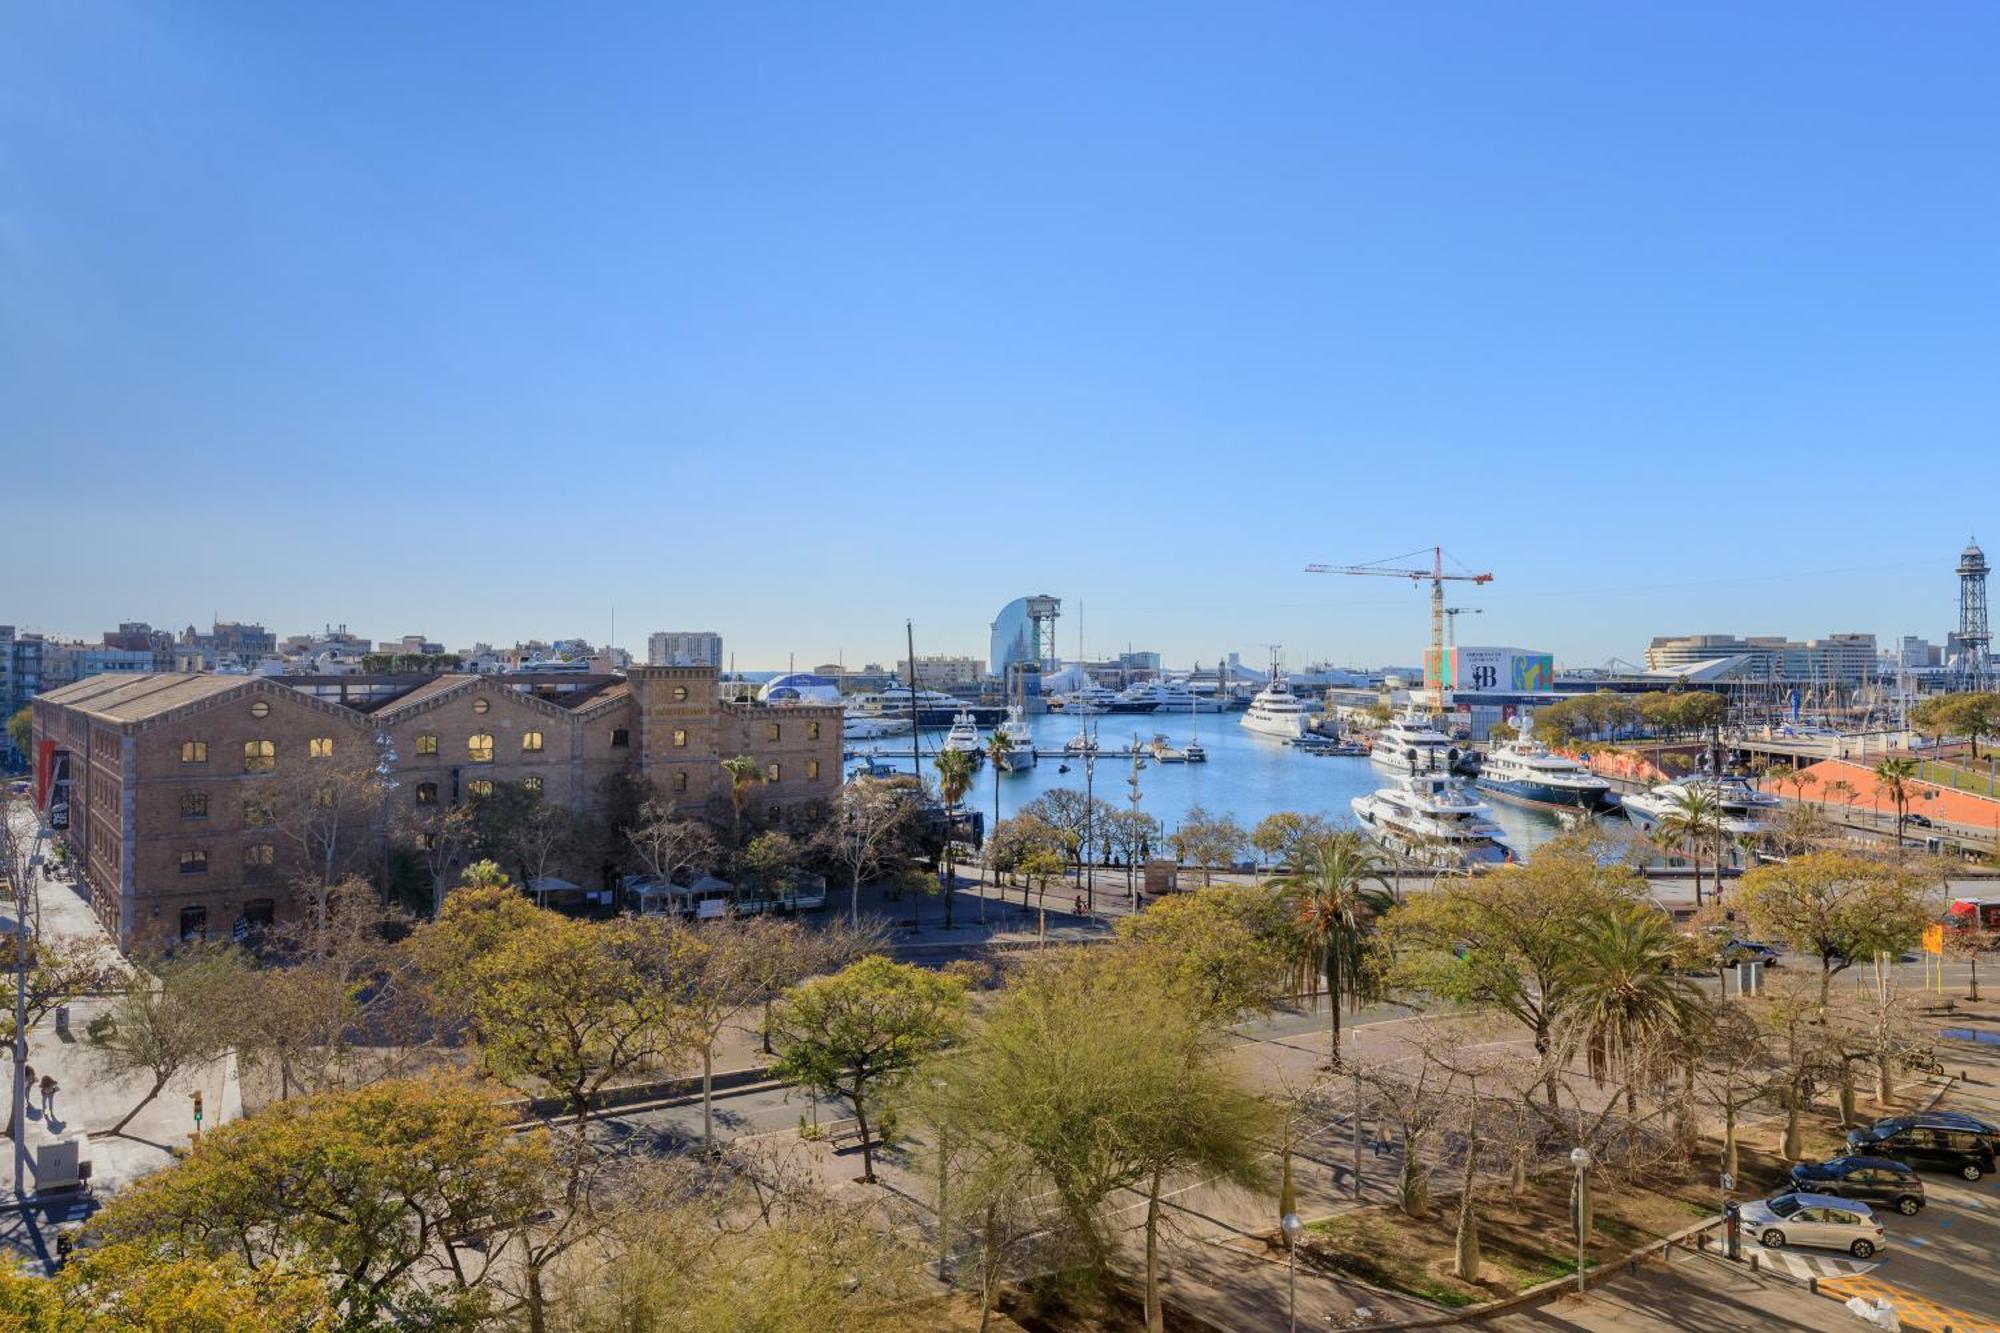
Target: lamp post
{"type": "Point", "coordinates": [1291, 1226]}
{"type": "Point", "coordinates": [1132, 843]}
{"type": "Point", "coordinates": [1580, 1159]}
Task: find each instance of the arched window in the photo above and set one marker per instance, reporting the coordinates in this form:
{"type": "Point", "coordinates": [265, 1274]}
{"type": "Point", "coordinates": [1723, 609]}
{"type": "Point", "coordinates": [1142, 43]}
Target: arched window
{"type": "Point", "coordinates": [480, 746]}
{"type": "Point", "coordinates": [260, 756]}
{"type": "Point", "coordinates": [320, 747]}
{"type": "Point", "coordinates": [531, 740]}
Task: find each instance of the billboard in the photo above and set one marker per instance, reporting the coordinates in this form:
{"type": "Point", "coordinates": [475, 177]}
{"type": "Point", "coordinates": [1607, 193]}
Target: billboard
{"type": "Point", "coordinates": [1496, 671]}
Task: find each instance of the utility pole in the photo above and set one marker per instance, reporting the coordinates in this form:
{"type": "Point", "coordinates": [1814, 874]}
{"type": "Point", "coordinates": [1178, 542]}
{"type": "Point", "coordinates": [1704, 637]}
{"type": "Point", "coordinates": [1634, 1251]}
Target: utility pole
{"type": "Point", "coordinates": [1132, 850]}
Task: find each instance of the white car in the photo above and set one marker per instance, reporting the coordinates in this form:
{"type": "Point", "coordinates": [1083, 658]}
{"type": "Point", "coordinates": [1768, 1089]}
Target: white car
{"type": "Point", "coordinates": [1815, 1219]}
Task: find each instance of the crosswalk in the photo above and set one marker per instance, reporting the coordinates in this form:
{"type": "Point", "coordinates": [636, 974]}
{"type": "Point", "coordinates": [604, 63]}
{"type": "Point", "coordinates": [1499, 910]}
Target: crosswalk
{"type": "Point", "coordinates": [1803, 1264]}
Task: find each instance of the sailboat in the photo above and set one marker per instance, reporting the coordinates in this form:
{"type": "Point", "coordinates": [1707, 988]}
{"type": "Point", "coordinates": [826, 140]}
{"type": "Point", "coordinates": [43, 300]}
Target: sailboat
{"type": "Point", "coordinates": [1194, 754]}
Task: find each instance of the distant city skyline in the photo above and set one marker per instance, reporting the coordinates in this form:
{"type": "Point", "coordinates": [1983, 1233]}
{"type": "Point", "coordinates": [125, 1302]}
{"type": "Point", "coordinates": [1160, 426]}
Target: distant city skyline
{"type": "Point", "coordinates": [795, 321]}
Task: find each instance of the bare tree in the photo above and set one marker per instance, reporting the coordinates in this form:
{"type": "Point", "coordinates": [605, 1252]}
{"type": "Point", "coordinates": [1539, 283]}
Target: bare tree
{"type": "Point", "coordinates": [326, 806]}
{"type": "Point", "coordinates": [866, 833]}
{"type": "Point", "coordinates": [442, 834]}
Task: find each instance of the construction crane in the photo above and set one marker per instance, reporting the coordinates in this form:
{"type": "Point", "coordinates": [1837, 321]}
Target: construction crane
{"type": "Point", "coordinates": [1451, 615]}
{"type": "Point", "coordinates": [1436, 574]}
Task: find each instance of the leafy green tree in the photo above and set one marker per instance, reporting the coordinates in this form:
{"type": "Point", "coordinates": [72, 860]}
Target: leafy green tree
{"type": "Point", "coordinates": [998, 750]}
{"type": "Point", "coordinates": [1336, 888]}
{"type": "Point", "coordinates": [1278, 835]}
{"type": "Point", "coordinates": [1836, 907]}
{"type": "Point", "coordinates": [859, 1031]}
{"type": "Point", "coordinates": [1208, 841]}
{"type": "Point", "coordinates": [129, 1289]}
{"type": "Point", "coordinates": [1206, 949]}
{"type": "Point", "coordinates": [1508, 939]}
{"type": "Point", "coordinates": [1693, 824]}
{"type": "Point", "coordinates": [399, 1198]}
{"type": "Point", "coordinates": [1018, 839]}
{"type": "Point", "coordinates": [21, 730]}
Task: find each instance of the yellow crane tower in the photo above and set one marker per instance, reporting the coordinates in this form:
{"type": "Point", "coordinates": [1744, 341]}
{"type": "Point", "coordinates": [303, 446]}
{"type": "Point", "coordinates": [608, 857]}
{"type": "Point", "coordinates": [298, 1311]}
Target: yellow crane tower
{"type": "Point", "coordinates": [1434, 668]}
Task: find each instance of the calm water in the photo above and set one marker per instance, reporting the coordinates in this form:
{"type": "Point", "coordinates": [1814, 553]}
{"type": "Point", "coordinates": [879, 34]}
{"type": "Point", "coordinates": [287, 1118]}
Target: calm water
{"type": "Point", "coordinates": [1247, 775]}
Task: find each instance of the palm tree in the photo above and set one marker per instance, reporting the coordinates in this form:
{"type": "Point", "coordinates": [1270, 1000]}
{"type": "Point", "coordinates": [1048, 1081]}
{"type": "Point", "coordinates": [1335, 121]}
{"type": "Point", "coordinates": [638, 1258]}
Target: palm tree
{"type": "Point", "coordinates": [1630, 1001]}
{"type": "Point", "coordinates": [1893, 777]}
{"type": "Point", "coordinates": [1692, 823]}
{"type": "Point", "coordinates": [998, 747]}
{"type": "Point", "coordinates": [954, 779]}
{"type": "Point", "coordinates": [744, 773]}
{"type": "Point", "coordinates": [1841, 790]}
{"type": "Point", "coordinates": [1327, 884]}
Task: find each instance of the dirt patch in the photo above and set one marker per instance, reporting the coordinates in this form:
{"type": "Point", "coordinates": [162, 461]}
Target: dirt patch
{"type": "Point", "coordinates": [1120, 1308]}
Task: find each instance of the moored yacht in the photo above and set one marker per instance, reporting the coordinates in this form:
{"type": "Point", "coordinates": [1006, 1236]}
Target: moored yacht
{"type": "Point", "coordinates": [1165, 751]}
{"type": "Point", "coordinates": [1021, 755]}
{"type": "Point", "coordinates": [1141, 697]}
{"type": "Point", "coordinates": [873, 726]}
{"type": "Point", "coordinates": [1744, 808]}
{"type": "Point", "coordinates": [1526, 772]}
{"type": "Point", "coordinates": [1430, 818]}
{"type": "Point", "coordinates": [932, 708]}
{"type": "Point", "coordinates": [1090, 701]}
{"type": "Point", "coordinates": [1276, 711]}
{"type": "Point", "coordinates": [964, 737]}
{"type": "Point", "coordinates": [1409, 743]}
{"type": "Point", "coordinates": [1081, 743]}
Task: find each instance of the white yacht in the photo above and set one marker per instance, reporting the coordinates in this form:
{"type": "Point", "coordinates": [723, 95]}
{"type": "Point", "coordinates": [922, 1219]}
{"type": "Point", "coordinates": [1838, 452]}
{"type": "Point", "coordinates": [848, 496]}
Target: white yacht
{"type": "Point", "coordinates": [1744, 808]}
{"type": "Point", "coordinates": [1526, 772]}
{"type": "Point", "coordinates": [1090, 701]}
{"type": "Point", "coordinates": [933, 708]}
{"type": "Point", "coordinates": [1165, 751]}
{"type": "Point", "coordinates": [1276, 711]}
{"type": "Point", "coordinates": [1430, 818]}
{"type": "Point", "coordinates": [1021, 756]}
{"type": "Point", "coordinates": [1143, 696]}
{"type": "Point", "coordinates": [1177, 697]}
{"type": "Point", "coordinates": [964, 736]}
{"type": "Point", "coordinates": [1081, 743]}
{"type": "Point", "coordinates": [1408, 743]}
{"type": "Point", "coordinates": [873, 726]}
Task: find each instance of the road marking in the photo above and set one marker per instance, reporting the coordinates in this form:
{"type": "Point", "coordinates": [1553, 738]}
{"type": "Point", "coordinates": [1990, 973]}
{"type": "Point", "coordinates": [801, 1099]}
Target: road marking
{"type": "Point", "coordinates": [1913, 1312]}
{"type": "Point", "coordinates": [1821, 1266]}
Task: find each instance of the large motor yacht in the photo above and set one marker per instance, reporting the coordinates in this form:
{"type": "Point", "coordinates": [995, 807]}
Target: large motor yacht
{"type": "Point", "coordinates": [1744, 808]}
{"type": "Point", "coordinates": [964, 737]}
{"type": "Point", "coordinates": [1430, 818]}
{"type": "Point", "coordinates": [1408, 743]}
{"type": "Point", "coordinates": [933, 708]}
{"type": "Point", "coordinates": [1021, 755]}
{"type": "Point", "coordinates": [873, 726]}
{"type": "Point", "coordinates": [1526, 772]}
{"type": "Point", "coordinates": [1276, 711]}
{"type": "Point", "coordinates": [1141, 697]}
{"type": "Point", "coordinates": [1090, 701]}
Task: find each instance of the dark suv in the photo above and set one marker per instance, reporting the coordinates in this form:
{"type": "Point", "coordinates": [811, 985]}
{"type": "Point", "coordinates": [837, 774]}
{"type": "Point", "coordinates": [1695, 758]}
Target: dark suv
{"type": "Point", "coordinates": [1874, 1179]}
{"type": "Point", "coordinates": [1942, 1141]}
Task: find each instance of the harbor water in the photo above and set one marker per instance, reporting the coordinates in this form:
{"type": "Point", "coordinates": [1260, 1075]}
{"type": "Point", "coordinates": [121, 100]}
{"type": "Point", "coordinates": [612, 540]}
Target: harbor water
{"type": "Point", "coordinates": [1247, 775]}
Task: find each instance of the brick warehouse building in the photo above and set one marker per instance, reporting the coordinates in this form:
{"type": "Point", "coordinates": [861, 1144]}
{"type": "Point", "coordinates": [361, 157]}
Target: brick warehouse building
{"type": "Point", "coordinates": [162, 786]}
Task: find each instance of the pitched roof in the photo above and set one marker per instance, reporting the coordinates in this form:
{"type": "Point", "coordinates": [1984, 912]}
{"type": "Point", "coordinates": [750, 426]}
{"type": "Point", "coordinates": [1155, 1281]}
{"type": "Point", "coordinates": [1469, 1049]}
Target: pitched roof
{"type": "Point", "coordinates": [123, 699]}
{"type": "Point", "coordinates": [424, 693]}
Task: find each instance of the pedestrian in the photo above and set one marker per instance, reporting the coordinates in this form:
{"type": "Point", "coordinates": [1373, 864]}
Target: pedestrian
{"type": "Point", "coordinates": [48, 1094]}
{"type": "Point", "coordinates": [1079, 904]}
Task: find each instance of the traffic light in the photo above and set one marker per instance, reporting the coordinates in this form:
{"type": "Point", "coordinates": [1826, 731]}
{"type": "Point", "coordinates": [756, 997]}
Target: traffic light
{"type": "Point", "coordinates": [197, 1108]}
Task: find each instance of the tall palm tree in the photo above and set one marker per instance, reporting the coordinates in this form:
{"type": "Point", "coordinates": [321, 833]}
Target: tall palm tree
{"type": "Point", "coordinates": [1693, 823]}
{"type": "Point", "coordinates": [1629, 999]}
{"type": "Point", "coordinates": [1893, 777]}
{"type": "Point", "coordinates": [744, 773]}
{"type": "Point", "coordinates": [998, 747]}
{"type": "Point", "coordinates": [1327, 884]}
{"type": "Point", "coordinates": [954, 779]}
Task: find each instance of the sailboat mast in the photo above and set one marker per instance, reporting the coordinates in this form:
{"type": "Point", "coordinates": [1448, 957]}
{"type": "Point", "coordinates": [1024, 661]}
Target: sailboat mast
{"type": "Point", "coordinates": [916, 755]}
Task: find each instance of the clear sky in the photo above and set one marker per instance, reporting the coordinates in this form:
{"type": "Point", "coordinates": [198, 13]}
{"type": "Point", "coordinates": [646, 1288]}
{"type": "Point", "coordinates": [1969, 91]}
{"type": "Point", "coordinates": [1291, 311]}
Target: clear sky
{"type": "Point", "coordinates": [794, 320]}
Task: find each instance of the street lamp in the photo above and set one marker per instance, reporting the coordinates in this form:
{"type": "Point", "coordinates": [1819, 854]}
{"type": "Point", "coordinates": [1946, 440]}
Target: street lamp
{"type": "Point", "coordinates": [1291, 1226]}
{"type": "Point", "coordinates": [1580, 1159]}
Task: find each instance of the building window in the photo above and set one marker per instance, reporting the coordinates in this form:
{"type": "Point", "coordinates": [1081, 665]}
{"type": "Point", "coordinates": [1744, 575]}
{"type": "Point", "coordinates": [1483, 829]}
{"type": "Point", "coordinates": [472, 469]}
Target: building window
{"type": "Point", "coordinates": [322, 798]}
{"type": "Point", "coordinates": [320, 747]}
{"type": "Point", "coordinates": [480, 746]}
{"type": "Point", "coordinates": [194, 922]}
{"type": "Point", "coordinates": [531, 740]}
{"type": "Point", "coordinates": [481, 705]}
{"type": "Point", "coordinates": [680, 694]}
{"type": "Point", "coordinates": [680, 784]}
{"type": "Point", "coordinates": [480, 786]}
{"type": "Point", "coordinates": [260, 756]}
{"type": "Point", "coordinates": [194, 863]}
{"type": "Point", "coordinates": [812, 731]}
{"type": "Point", "coordinates": [620, 738]}
{"type": "Point", "coordinates": [427, 793]}
{"type": "Point", "coordinates": [680, 739]}
{"type": "Point", "coordinates": [771, 773]}
{"type": "Point", "coordinates": [194, 805]}
{"type": "Point", "coordinates": [256, 814]}
{"type": "Point", "coordinates": [259, 912]}
{"type": "Point", "coordinates": [532, 783]}
{"type": "Point", "coordinates": [771, 732]}
{"type": "Point", "coordinates": [258, 855]}
{"type": "Point", "coordinates": [812, 766]}
{"type": "Point", "coordinates": [260, 709]}
{"type": "Point", "coordinates": [194, 752]}
{"type": "Point", "coordinates": [427, 743]}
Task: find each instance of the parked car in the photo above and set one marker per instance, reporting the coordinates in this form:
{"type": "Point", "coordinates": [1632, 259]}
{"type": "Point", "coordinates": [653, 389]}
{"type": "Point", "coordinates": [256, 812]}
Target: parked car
{"type": "Point", "coordinates": [1814, 1219]}
{"type": "Point", "coordinates": [1871, 1179]}
{"type": "Point", "coordinates": [1915, 820]}
{"type": "Point", "coordinates": [1963, 1145]}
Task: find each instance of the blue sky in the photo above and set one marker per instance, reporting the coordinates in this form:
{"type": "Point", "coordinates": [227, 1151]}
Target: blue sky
{"type": "Point", "coordinates": [792, 321]}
